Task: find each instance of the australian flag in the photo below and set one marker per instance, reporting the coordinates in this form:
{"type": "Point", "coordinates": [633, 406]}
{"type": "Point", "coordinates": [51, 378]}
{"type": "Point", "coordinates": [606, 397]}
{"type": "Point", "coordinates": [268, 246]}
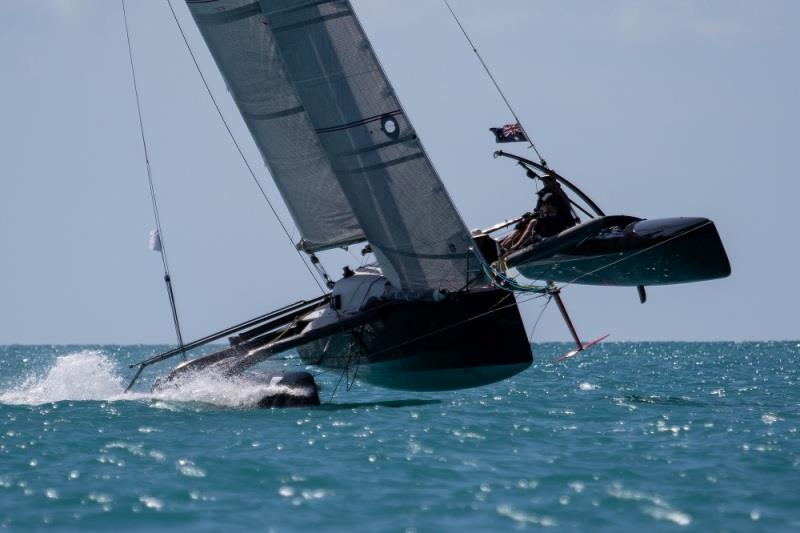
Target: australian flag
{"type": "Point", "coordinates": [510, 133]}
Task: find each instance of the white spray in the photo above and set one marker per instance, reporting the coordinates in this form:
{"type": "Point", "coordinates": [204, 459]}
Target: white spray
{"type": "Point", "coordinates": [93, 375]}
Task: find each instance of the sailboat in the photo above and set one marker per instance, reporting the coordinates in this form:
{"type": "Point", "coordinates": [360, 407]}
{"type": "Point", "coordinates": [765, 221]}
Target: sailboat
{"type": "Point", "coordinates": [436, 309]}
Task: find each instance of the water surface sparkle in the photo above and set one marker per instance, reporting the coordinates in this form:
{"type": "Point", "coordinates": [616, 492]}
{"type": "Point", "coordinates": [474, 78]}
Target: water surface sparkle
{"type": "Point", "coordinates": [629, 435]}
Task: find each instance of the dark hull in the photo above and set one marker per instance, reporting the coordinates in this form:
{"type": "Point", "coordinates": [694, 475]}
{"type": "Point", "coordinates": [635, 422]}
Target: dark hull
{"type": "Point", "coordinates": [470, 340]}
{"type": "Point", "coordinates": [642, 252]}
{"type": "Point", "coordinates": [287, 389]}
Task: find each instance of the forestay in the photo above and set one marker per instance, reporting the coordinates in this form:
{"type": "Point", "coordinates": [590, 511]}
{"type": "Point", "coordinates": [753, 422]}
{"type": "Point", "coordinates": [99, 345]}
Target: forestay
{"type": "Point", "coordinates": [327, 119]}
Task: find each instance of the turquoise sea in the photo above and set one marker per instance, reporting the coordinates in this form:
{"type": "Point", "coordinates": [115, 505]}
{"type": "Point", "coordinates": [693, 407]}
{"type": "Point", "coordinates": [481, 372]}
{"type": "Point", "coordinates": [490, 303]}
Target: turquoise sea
{"type": "Point", "coordinates": [626, 437]}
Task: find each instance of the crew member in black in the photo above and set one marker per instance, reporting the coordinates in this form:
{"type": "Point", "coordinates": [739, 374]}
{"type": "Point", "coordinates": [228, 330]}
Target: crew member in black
{"type": "Point", "coordinates": [551, 216]}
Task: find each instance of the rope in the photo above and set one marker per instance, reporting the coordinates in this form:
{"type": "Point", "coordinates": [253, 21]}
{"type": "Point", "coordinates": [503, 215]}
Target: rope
{"type": "Point", "coordinates": [344, 373]}
{"type": "Point", "coordinates": [289, 355]}
{"type": "Point", "coordinates": [163, 251]}
{"type": "Point", "coordinates": [507, 283]}
{"type": "Point", "coordinates": [510, 284]}
{"type": "Point", "coordinates": [239, 149]}
{"type": "Point", "coordinates": [494, 81]}
{"type": "Point", "coordinates": [538, 318]}
{"type": "Point", "coordinates": [455, 325]}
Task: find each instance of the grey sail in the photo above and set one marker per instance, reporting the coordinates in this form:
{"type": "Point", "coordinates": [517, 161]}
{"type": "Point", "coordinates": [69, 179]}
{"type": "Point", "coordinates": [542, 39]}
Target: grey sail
{"type": "Point", "coordinates": [246, 54]}
{"type": "Point", "coordinates": [352, 131]}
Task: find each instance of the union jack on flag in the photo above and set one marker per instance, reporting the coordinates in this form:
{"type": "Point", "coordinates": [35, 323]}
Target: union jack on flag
{"type": "Point", "coordinates": [510, 133]}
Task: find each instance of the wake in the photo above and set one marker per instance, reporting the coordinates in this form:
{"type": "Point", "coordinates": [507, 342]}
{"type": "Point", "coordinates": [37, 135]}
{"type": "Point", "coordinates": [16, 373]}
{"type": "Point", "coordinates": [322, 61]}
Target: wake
{"type": "Point", "coordinates": [91, 375]}
{"type": "Point", "coordinates": [84, 375]}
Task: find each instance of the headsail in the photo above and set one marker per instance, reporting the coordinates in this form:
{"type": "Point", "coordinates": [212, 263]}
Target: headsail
{"type": "Point", "coordinates": [309, 62]}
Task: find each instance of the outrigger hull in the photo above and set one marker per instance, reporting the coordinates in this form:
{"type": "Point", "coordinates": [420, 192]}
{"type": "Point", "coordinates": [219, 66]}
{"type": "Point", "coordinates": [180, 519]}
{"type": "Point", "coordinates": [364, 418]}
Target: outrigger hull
{"type": "Point", "coordinates": [625, 251]}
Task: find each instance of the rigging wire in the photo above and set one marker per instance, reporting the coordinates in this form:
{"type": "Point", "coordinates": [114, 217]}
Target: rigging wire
{"type": "Point", "coordinates": [538, 318]}
{"type": "Point", "coordinates": [532, 293]}
{"type": "Point", "coordinates": [239, 149]}
{"type": "Point", "coordinates": [502, 281]}
{"type": "Point", "coordinates": [160, 233]}
{"type": "Point", "coordinates": [494, 81]}
{"type": "Point", "coordinates": [292, 357]}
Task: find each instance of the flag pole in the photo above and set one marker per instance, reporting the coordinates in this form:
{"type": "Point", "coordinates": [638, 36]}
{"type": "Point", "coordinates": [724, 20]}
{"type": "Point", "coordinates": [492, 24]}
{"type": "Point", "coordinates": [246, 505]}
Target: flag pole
{"type": "Point", "coordinates": [496, 85]}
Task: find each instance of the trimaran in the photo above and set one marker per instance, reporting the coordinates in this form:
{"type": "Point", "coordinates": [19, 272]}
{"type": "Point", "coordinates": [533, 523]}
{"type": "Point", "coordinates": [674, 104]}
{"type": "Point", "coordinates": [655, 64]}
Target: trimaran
{"type": "Point", "coordinates": [436, 309]}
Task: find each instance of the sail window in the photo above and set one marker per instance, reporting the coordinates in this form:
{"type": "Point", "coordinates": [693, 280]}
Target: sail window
{"type": "Point", "coordinates": [390, 127]}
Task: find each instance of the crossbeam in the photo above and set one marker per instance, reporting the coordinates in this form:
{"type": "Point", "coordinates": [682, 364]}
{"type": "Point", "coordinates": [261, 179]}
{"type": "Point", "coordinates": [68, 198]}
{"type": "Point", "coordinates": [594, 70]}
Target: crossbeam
{"type": "Point", "coordinates": [296, 308]}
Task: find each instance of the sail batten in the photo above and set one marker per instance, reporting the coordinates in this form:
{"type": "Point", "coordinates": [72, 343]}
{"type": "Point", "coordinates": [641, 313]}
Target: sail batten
{"type": "Point", "coordinates": [306, 69]}
{"type": "Point", "coordinates": [359, 122]}
{"type": "Point", "coordinates": [276, 114]}
{"type": "Point", "coordinates": [307, 22]}
{"type": "Point", "coordinates": [230, 15]}
{"type": "Point", "coordinates": [385, 164]}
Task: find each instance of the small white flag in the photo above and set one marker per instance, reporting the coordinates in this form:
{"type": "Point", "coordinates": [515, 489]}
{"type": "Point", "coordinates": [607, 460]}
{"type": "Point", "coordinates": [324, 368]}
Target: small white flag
{"type": "Point", "coordinates": [154, 242]}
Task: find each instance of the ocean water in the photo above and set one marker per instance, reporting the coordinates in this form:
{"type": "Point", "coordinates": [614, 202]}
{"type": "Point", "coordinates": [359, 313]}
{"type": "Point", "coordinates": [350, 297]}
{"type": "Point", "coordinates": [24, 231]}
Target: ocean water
{"type": "Point", "coordinates": [662, 436]}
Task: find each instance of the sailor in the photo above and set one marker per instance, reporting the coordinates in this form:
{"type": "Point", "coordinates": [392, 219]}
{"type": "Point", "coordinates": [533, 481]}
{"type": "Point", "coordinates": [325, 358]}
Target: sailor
{"type": "Point", "coordinates": [551, 216]}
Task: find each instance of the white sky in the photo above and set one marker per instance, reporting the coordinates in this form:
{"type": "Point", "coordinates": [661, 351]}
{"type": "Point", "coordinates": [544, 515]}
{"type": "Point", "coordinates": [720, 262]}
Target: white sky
{"type": "Point", "coordinates": [656, 109]}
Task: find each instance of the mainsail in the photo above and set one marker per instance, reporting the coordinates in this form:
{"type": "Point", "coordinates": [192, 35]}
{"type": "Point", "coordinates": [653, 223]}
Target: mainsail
{"type": "Point", "coordinates": [335, 138]}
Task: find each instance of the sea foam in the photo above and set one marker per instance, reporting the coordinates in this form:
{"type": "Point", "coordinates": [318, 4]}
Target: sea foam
{"type": "Point", "coordinates": [84, 375]}
{"type": "Point", "coordinates": [93, 375]}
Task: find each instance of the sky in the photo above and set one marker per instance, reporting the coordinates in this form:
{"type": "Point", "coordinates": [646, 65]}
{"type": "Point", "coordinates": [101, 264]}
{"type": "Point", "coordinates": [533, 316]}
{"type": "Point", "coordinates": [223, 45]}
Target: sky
{"type": "Point", "coordinates": [656, 109]}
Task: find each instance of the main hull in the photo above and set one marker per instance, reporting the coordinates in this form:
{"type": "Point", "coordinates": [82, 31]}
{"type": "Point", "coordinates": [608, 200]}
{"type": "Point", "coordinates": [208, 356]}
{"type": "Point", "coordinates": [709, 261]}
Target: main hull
{"type": "Point", "coordinates": [454, 341]}
{"type": "Point", "coordinates": [466, 341]}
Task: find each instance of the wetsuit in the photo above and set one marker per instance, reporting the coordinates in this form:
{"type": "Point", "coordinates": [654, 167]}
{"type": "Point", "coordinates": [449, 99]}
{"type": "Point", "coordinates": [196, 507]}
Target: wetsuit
{"type": "Point", "coordinates": [552, 224]}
